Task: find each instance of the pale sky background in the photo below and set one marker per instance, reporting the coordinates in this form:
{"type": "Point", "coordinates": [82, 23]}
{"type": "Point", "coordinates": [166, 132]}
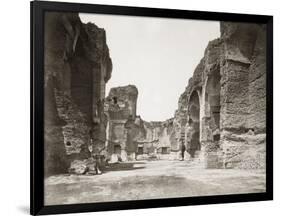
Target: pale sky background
{"type": "Point", "coordinates": [157, 55]}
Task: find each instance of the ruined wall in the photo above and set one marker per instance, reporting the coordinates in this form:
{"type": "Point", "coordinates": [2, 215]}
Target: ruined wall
{"type": "Point", "coordinates": [77, 66]}
{"type": "Point", "coordinates": [227, 93]}
{"type": "Point", "coordinates": [243, 95]}
{"type": "Point", "coordinates": [123, 125]}
{"type": "Point", "coordinates": [129, 137]}
{"type": "Point", "coordinates": [121, 102]}
{"type": "Point", "coordinates": [159, 141]}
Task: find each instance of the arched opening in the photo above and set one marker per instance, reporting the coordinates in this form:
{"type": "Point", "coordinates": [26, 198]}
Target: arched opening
{"type": "Point", "coordinates": [212, 100]}
{"type": "Point", "coordinates": [194, 122]}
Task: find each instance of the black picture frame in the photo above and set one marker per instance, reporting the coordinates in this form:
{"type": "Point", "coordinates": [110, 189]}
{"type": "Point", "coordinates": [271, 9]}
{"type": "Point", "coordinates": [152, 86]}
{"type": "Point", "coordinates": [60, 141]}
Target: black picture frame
{"type": "Point", "coordinates": [38, 8]}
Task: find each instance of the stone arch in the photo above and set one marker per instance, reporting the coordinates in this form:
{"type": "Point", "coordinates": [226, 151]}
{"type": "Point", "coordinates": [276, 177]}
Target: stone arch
{"type": "Point", "coordinates": [212, 104]}
{"type": "Point", "coordinates": [194, 123]}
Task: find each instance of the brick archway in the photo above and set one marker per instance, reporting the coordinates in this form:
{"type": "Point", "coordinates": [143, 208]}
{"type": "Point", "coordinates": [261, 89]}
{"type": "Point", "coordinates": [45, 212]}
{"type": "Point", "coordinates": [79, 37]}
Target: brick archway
{"type": "Point", "coordinates": [194, 122]}
{"type": "Point", "coordinates": [212, 104]}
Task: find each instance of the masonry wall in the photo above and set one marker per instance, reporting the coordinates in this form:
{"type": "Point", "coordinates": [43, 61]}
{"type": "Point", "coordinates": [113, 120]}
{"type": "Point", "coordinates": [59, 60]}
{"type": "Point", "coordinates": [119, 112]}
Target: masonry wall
{"type": "Point", "coordinates": [122, 126]}
{"type": "Point", "coordinates": [77, 66]}
{"type": "Point", "coordinates": [158, 142]}
{"type": "Point", "coordinates": [230, 83]}
{"type": "Point", "coordinates": [129, 137]}
{"type": "Point", "coordinates": [244, 101]}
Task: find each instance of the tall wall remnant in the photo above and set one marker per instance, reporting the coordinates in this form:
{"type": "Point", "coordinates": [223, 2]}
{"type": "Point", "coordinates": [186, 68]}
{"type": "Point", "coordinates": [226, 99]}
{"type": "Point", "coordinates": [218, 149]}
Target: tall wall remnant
{"type": "Point", "coordinates": [121, 105]}
{"type": "Point", "coordinates": [77, 66]}
{"type": "Point", "coordinates": [129, 137]}
{"type": "Point", "coordinates": [223, 108]}
{"type": "Point", "coordinates": [159, 142]}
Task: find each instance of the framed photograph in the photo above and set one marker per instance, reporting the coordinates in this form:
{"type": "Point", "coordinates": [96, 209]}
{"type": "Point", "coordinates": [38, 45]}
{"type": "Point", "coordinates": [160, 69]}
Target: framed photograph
{"type": "Point", "coordinates": [141, 107]}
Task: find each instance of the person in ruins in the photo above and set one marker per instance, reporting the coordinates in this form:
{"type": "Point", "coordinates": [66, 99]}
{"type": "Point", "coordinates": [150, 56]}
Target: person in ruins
{"type": "Point", "coordinates": [97, 159]}
{"type": "Point", "coordinates": [182, 149]}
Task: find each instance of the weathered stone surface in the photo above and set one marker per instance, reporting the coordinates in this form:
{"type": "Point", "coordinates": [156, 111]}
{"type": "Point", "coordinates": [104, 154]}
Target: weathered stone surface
{"type": "Point", "coordinates": [234, 104]}
{"type": "Point", "coordinates": [77, 66]}
{"type": "Point", "coordinates": [86, 166]}
{"type": "Point", "coordinates": [159, 140]}
{"type": "Point", "coordinates": [257, 79]}
{"type": "Point", "coordinates": [78, 167]}
{"type": "Point", "coordinates": [123, 125]}
{"type": "Point", "coordinates": [129, 136]}
{"type": "Point", "coordinates": [247, 112]}
{"type": "Point", "coordinates": [121, 102]}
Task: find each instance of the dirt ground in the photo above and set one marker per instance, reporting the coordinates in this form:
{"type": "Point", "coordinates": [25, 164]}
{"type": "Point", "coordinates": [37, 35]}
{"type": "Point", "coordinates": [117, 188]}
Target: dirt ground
{"type": "Point", "coordinates": [149, 180]}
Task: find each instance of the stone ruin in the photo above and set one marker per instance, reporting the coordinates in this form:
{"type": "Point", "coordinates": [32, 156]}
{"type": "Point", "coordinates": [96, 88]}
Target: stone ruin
{"type": "Point", "coordinates": [77, 67]}
{"type": "Point", "coordinates": [221, 115]}
{"type": "Point", "coordinates": [122, 126]}
{"type": "Point", "coordinates": [129, 137]}
{"type": "Point", "coordinates": [223, 109]}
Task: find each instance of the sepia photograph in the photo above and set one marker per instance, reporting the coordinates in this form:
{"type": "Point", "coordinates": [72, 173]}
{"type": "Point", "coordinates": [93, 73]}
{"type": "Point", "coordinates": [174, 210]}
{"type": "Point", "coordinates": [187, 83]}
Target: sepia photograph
{"type": "Point", "coordinates": [142, 108]}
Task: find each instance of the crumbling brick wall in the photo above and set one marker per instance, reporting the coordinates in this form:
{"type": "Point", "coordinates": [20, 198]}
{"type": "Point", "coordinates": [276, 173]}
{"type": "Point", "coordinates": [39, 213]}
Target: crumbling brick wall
{"type": "Point", "coordinates": [77, 66]}
{"type": "Point", "coordinates": [231, 83]}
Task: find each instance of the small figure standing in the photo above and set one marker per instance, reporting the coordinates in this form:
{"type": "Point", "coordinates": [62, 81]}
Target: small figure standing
{"type": "Point", "coordinates": [182, 150]}
{"type": "Point", "coordinates": [97, 159]}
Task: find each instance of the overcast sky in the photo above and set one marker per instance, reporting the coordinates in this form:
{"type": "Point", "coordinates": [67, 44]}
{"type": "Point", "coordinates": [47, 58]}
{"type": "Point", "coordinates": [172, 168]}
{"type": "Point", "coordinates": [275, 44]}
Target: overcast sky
{"type": "Point", "coordinates": [157, 55]}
